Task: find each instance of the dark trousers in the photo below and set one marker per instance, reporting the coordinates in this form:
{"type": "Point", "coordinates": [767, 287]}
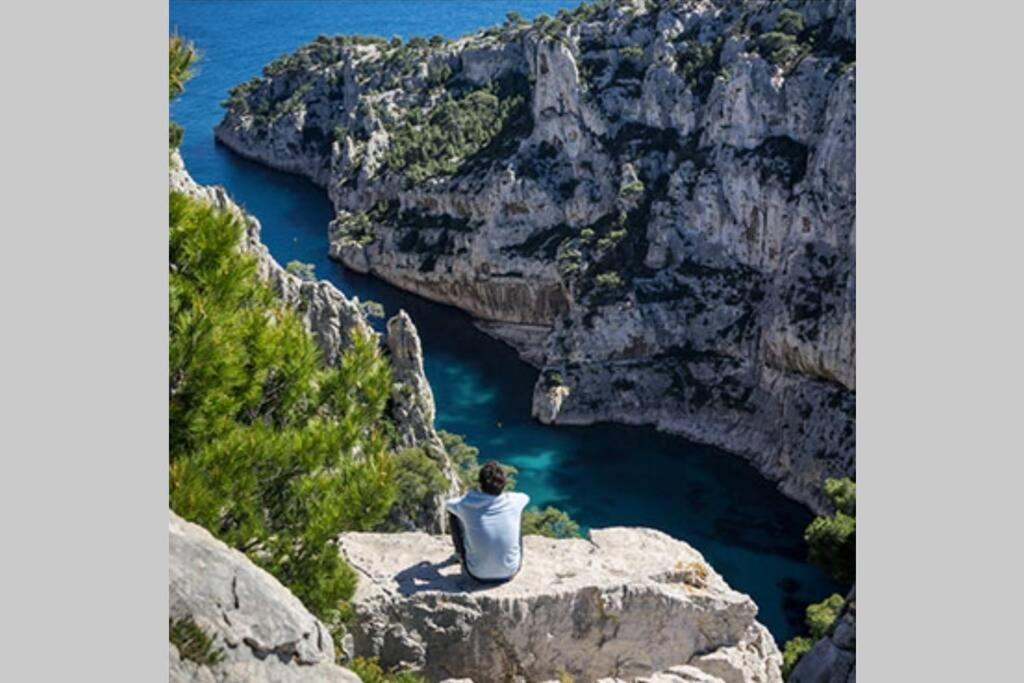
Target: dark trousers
{"type": "Point", "coordinates": [455, 529]}
{"type": "Point", "coordinates": [458, 540]}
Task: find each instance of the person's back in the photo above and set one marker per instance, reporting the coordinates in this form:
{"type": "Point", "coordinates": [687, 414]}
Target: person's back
{"type": "Point", "coordinates": [487, 527]}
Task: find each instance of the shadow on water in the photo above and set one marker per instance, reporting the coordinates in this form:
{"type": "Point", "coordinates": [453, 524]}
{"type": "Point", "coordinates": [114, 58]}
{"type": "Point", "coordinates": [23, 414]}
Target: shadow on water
{"type": "Point", "coordinates": [602, 475]}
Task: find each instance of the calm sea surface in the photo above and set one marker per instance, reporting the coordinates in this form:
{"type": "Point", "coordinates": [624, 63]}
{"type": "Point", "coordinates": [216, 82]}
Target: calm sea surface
{"type": "Point", "coordinates": [602, 475]}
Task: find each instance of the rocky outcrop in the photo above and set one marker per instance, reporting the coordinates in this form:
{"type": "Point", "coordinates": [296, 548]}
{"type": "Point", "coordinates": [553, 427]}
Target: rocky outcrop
{"type": "Point", "coordinates": [261, 630]}
{"type": "Point", "coordinates": [332, 319]}
{"type": "Point", "coordinates": [329, 315]}
{"type": "Point", "coordinates": [630, 604]}
{"type": "Point", "coordinates": [833, 659]}
{"type": "Point", "coordinates": [412, 404]}
{"type": "Point", "coordinates": [660, 194]}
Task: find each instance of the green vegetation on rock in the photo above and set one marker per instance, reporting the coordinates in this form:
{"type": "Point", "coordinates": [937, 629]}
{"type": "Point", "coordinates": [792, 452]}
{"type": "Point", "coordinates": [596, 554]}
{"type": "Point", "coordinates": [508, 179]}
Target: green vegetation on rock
{"type": "Point", "coordinates": [463, 456]}
{"type": "Point", "coordinates": [303, 271]}
{"type": "Point", "coordinates": [832, 545]}
{"type": "Point", "coordinates": [820, 615]}
{"type": "Point", "coordinates": [181, 57]}
{"type": "Point", "coordinates": [438, 142]}
{"type": "Point", "coordinates": [193, 643]}
{"type": "Point", "coordinates": [794, 649]}
{"type": "Point", "coordinates": [270, 450]}
{"type": "Point", "coordinates": [369, 670]}
{"type": "Point", "coordinates": [789, 21]}
{"type": "Point", "coordinates": [417, 477]}
{"type": "Point", "coordinates": [697, 62]}
{"type": "Point", "coordinates": [832, 540]}
{"type": "Point", "coordinates": [550, 522]}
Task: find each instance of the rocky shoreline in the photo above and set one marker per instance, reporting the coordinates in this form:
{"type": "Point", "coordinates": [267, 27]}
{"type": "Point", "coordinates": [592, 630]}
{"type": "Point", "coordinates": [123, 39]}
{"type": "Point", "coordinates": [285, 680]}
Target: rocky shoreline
{"type": "Point", "coordinates": [652, 202]}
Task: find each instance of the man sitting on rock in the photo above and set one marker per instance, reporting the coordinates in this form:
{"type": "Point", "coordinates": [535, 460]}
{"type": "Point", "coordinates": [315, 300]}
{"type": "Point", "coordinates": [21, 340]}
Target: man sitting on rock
{"type": "Point", "coordinates": [486, 527]}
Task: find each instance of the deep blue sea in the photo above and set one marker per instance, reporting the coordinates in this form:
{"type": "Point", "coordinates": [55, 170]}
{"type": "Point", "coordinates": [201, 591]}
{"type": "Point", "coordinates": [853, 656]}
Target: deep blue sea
{"type": "Point", "coordinates": [602, 475]}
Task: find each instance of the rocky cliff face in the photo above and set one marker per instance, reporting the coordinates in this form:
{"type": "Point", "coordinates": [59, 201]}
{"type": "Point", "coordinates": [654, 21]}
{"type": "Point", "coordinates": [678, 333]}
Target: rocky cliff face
{"type": "Point", "coordinates": [833, 659]}
{"type": "Point", "coordinates": [627, 604]}
{"type": "Point", "coordinates": [653, 201]}
{"type": "Point", "coordinates": [332, 318]}
{"type": "Point", "coordinates": [261, 630]}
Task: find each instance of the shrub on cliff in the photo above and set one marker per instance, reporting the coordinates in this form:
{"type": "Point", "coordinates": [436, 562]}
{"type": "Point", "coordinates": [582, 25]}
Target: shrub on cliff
{"type": "Point", "coordinates": [781, 49]}
{"type": "Point", "coordinates": [820, 615]}
{"type": "Point", "coordinates": [370, 671]}
{"type": "Point", "coordinates": [794, 649]}
{"type": "Point", "coordinates": [301, 270]}
{"type": "Point", "coordinates": [550, 522]}
{"type": "Point", "coordinates": [439, 142]}
{"type": "Point", "coordinates": [832, 540]}
{"type": "Point", "coordinates": [417, 478]}
{"type": "Point", "coordinates": [271, 450]}
{"type": "Point", "coordinates": [832, 545]}
{"type": "Point", "coordinates": [181, 56]}
{"type": "Point", "coordinates": [789, 21]}
{"type": "Point", "coordinates": [818, 618]}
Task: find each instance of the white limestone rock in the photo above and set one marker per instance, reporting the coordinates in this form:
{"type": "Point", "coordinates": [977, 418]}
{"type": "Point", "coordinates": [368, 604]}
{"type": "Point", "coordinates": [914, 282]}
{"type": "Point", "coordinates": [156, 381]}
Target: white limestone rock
{"type": "Point", "coordinates": [263, 631]}
{"type": "Point", "coordinates": [628, 603]}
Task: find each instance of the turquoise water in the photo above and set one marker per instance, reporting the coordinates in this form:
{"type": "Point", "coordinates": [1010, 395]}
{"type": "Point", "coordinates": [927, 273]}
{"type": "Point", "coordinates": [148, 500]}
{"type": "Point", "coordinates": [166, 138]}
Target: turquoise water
{"type": "Point", "coordinates": [602, 475]}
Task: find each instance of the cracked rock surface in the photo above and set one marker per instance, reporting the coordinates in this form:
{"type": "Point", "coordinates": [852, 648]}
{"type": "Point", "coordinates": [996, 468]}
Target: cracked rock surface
{"type": "Point", "coordinates": [265, 632]}
{"type": "Point", "coordinates": [628, 603]}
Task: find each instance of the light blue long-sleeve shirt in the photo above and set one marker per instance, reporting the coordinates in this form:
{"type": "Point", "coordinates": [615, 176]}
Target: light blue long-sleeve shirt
{"type": "Point", "coordinates": [491, 531]}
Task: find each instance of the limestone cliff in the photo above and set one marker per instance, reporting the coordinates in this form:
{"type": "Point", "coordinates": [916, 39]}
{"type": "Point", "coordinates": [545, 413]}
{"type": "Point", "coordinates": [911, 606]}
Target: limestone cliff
{"type": "Point", "coordinates": [260, 631]}
{"type": "Point", "coordinates": [332, 317]}
{"type": "Point", "coordinates": [653, 201]}
{"type": "Point", "coordinates": [629, 604]}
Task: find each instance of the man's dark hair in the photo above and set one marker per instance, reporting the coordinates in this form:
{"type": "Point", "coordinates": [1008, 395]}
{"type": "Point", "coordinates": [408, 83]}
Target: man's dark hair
{"type": "Point", "coordinates": [492, 478]}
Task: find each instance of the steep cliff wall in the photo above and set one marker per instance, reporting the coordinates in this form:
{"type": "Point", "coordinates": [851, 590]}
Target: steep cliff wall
{"type": "Point", "coordinates": [332, 317]}
{"type": "Point", "coordinates": [654, 202]}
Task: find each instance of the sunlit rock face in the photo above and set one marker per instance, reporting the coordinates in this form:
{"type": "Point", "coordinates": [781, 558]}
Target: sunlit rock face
{"type": "Point", "coordinates": [665, 190]}
{"type": "Point", "coordinates": [261, 631]}
{"type": "Point", "coordinates": [627, 604]}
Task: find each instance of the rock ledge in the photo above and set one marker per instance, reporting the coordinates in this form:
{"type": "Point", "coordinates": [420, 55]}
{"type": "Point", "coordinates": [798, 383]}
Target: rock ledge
{"type": "Point", "coordinates": [627, 603]}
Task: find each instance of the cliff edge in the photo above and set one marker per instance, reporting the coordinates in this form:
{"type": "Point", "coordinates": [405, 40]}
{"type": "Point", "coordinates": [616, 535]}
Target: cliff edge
{"type": "Point", "coordinates": [628, 604]}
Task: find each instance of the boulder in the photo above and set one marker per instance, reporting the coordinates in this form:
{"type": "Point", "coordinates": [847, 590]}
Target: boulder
{"type": "Point", "coordinates": [263, 632]}
{"type": "Point", "coordinates": [627, 603]}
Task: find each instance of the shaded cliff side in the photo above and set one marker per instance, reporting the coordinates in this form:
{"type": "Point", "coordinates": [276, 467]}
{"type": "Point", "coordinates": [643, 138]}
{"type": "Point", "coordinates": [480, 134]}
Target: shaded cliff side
{"type": "Point", "coordinates": [652, 201]}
